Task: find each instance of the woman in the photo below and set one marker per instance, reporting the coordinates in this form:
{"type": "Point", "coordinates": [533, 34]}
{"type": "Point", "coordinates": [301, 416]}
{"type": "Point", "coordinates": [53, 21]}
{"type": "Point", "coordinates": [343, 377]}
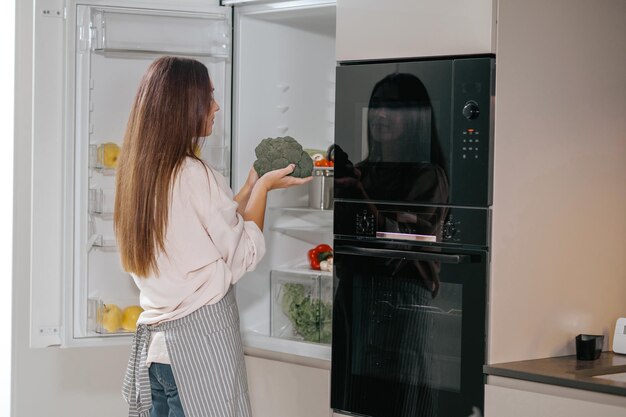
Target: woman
{"type": "Point", "coordinates": [185, 239]}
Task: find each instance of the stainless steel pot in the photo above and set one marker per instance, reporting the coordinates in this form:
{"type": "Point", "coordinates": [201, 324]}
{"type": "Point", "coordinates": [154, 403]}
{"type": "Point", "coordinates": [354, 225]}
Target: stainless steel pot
{"type": "Point", "coordinates": [321, 188]}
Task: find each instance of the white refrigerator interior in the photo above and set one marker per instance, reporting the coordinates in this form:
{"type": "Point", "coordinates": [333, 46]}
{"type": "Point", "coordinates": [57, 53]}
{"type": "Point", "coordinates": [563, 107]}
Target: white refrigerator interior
{"type": "Point", "coordinates": [284, 85]}
{"type": "Point", "coordinates": [279, 67]}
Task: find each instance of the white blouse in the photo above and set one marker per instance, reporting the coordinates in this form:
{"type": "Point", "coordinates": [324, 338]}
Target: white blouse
{"type": "Point", "coordinates": [208, 247]}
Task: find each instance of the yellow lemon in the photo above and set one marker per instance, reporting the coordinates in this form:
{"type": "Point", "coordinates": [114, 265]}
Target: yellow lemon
{"type": "Point", "coordinates": [108, 153]}
{"type": "Point", "coordinates": [110, 317]}
{"type": "Point", "coordinates": [130, 316]}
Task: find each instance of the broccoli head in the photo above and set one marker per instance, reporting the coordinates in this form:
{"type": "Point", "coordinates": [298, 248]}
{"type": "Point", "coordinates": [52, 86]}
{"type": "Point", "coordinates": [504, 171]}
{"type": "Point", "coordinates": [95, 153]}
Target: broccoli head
{"type": "Point", "coordinates": [311, 317]}
{"type": "Point", "coordinates": [277, 153]}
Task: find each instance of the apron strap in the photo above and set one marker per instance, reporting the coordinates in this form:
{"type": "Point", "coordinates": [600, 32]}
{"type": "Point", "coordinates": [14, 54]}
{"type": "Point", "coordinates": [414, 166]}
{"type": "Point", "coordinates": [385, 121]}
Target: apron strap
{"type": "Point", "coordinates": [136, 387]}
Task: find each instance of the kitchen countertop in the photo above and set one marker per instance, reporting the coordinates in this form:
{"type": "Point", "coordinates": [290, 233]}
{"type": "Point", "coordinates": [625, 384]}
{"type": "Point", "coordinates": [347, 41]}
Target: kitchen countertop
{"type": "Point", "coordinates": [567, 371]}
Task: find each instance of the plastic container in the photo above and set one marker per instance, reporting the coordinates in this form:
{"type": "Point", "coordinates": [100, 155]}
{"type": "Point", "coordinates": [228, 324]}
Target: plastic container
{"type": "Point", "coordinates": [301, 306]}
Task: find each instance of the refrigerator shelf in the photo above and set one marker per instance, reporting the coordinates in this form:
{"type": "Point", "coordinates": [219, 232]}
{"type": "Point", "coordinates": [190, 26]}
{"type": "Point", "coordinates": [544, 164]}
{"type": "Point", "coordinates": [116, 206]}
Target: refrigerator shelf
{"type": "Point", "coordinates": [109, 172]}
{"type": "Point", "coordinates": [103, 157]}
{"type": "Point", "coordinates": [112, 319]}
{"type": "Point", "coordinates": [103, 216]}
{"type": "Point", "coordinates": [101, 202]}
{"type": "Point", "coordinates": [302, 229]}
{"type": "Point", "coordinates": [302, 269]}
{"type": "Point", "coordinates": [106, 244]}
{"type": "Point", "coordinates": [304, 209]}
{"type": "Point", "coordinates": [157, 53]}
{"type": "Point", "coordinates": [169, 33]}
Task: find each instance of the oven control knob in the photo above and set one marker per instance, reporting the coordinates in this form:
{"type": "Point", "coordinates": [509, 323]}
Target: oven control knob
{"type": "Point", "coordinates": [364, 224]}
{"type": "Point", "coordinates": [471, 110]}
{"type": "Point", "coordinates": [449, 230]}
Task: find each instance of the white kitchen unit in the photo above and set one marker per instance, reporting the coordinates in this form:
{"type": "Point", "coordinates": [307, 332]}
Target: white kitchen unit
{"type": "Point", "coordinates": [506, 397]}
{"type": "Point", "coordinates": [374, 29]}
{"type": "Point", "coordinates": [273, 76]}
{"type": "Point", "coordinates": [282, 389]}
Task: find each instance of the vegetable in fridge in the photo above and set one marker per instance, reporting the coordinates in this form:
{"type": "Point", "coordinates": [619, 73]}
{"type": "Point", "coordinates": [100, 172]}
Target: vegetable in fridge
{"type": "Point", "coordinates": [318, 254]}
{"type": "Point", "coordinates": [311, 317]}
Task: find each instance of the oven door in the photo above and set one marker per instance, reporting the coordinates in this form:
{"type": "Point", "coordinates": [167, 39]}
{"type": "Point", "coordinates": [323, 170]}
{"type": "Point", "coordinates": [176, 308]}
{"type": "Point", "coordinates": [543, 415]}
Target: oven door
{"type": "Point", "coordinates": [408, 330]}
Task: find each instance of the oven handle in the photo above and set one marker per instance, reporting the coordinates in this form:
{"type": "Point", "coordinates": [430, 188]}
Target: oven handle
{"type": "Point", "coordinates": [414, 256]}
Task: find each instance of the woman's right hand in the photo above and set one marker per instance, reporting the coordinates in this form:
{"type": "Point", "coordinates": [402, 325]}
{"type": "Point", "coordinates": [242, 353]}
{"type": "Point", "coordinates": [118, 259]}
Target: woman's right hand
{"type": "Point", "coordinates": [280, 178]}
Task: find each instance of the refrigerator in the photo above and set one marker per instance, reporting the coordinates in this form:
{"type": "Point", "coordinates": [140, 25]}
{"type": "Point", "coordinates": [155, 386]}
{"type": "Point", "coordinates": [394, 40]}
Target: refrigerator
{"type": "Point", "coordinates": [272, 64]}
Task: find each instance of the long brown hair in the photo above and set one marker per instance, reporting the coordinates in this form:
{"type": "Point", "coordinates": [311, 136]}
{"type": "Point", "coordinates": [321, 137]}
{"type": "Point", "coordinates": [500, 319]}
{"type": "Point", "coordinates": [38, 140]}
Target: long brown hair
{"type": "Point", "coordinates": [167, 122]}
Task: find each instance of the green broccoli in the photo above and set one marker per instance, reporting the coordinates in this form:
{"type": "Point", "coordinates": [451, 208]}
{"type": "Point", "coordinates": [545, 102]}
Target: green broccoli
{"type": "Point", "coordinates": [311, 318]}
{"type": "Point", "coordinates": [276, 153]}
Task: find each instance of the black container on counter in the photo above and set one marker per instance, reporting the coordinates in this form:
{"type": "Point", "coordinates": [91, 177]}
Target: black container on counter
{"type": "Point", "coordinates": [588, 346]}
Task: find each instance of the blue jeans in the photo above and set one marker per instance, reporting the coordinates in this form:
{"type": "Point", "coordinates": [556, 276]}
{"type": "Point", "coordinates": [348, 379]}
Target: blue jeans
{"type": "Point", "coordinates": [165, 399]}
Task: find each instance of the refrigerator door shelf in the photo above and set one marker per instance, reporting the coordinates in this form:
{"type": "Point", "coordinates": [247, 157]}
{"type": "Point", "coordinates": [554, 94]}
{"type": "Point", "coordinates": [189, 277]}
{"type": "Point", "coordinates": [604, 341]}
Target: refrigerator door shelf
{"type": "Point", "coordinates": [110, 318]}
{"type": "Point", "coordinates": [103, 157]}
{"type": "Point", "coordinates": [134, 30]}
{"type": "Point", "coordinates": [101, 203]}
{"type": "Point", "coordinates": [106, 244]}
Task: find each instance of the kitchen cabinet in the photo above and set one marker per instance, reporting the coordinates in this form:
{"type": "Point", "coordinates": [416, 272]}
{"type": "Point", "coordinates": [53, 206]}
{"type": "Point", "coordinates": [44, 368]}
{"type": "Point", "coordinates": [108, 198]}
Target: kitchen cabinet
{"type": "Point", "coordinates": [505, 397]}
{"type": "Point", "coordinates": [545, 287]}
{"type": "Point", "coordinates": [374, 29]}
{"type": "Point", "coordinates": [280, 388]}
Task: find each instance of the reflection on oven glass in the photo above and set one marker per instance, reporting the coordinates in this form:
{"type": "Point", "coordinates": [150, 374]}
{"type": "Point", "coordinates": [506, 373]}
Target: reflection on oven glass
{"type": "Point", "coordinates": [406, 342]}
{"type": "Point", "coordinates": [404, 160]}
{"type": "Point", "coordinates": [406, 326]}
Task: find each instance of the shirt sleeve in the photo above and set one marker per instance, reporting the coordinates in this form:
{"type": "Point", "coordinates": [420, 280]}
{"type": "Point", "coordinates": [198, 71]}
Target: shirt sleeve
{"type": "Point", "coordinates": [240, 243]}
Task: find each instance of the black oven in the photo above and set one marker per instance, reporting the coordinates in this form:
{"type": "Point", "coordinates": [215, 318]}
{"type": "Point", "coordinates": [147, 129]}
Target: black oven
{"type": "Point", "coordinates": [413, 167]}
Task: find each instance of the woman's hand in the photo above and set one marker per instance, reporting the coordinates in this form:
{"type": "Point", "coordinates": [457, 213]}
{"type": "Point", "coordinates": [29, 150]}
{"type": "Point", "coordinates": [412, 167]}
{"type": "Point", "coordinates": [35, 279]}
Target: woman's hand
{"type": "Point", "coordinates": [280, 178]}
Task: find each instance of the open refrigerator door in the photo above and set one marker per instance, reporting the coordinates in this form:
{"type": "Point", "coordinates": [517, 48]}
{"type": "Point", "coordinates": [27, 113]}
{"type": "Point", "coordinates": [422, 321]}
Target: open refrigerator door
{"type": "Point", "coordinates": [283, 84]}
{"type": "Point", "coordinates": [109, 46]}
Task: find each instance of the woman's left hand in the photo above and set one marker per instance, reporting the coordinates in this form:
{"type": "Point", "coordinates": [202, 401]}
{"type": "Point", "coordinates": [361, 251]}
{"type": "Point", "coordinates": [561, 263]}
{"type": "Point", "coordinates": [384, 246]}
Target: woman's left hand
{"type": "Point", "coordinates": [280, 178]}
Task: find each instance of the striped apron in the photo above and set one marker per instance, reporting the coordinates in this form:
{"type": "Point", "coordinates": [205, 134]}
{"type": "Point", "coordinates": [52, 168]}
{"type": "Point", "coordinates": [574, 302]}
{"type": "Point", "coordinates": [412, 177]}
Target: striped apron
{"type": "Point", "coordinates": [206, 355]}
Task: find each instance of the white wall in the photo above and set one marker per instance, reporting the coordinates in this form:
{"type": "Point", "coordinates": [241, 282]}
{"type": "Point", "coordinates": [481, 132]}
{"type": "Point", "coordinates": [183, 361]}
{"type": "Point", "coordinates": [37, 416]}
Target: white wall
{"type": "Point", "coordinates": [559, 210]}
{"type": "Point", "coordinates": [50, 382]}
{"type": "Point", "coordinates": [7, 45]}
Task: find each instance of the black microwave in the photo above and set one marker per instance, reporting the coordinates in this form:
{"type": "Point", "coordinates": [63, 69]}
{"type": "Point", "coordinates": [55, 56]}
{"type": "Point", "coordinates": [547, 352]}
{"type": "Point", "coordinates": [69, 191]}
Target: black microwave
{"type": "Point", "coordinates": [398, 123]}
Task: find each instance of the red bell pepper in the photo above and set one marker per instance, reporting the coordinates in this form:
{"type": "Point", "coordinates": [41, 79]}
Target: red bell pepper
{"type": "Point", "coordinates": [319, 254]}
